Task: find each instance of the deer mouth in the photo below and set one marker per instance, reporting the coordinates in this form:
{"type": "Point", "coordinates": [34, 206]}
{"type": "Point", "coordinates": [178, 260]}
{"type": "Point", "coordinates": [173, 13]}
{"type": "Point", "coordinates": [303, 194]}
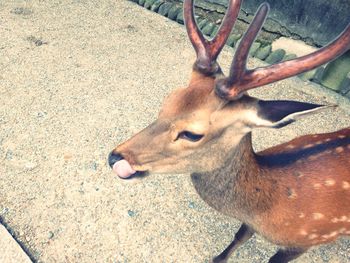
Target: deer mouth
{"type": "Point", "coordinates": [122, 167]}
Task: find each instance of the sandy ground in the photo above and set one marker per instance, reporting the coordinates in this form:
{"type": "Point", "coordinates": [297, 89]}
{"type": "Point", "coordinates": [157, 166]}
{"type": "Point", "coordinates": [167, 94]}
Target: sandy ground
{"type": "Point", "coordinates": [76, 79]}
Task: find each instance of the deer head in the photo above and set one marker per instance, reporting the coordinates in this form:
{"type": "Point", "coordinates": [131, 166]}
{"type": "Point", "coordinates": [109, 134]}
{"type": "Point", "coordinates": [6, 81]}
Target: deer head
{"type": "Point", "coordinates": [198, 126]}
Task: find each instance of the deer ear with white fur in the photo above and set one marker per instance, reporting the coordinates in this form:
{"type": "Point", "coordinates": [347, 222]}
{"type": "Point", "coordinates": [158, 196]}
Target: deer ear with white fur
{"type": "Point", "coordinates": [279, 113]}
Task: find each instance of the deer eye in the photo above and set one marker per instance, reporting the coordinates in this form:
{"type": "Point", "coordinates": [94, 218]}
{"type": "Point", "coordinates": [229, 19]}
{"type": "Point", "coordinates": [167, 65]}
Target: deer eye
{"type": "Point", "coordinates": [189, 136]}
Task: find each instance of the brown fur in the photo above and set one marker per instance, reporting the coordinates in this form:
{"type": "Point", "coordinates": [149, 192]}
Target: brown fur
{"type": "Point", "coordinates": [294, 194]}
{"type": "Point", "coordinates": [271, 196]}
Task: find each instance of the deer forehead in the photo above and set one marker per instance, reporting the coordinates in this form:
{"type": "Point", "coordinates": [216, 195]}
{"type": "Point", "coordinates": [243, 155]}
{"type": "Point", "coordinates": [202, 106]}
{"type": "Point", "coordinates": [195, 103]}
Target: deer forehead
{"type": "Point", "coordinates": [198, 95]}
{"type": "Point", "coordinates": [196, 122]}
{"type": "Point", "coordinates": [209, 114]}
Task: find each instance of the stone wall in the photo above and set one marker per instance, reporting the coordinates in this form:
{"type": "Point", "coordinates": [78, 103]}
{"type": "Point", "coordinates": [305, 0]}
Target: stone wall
{"type": "Point", "coordinates": [314, 21]}
{"type": "Point", "coordinates": [296, 19]}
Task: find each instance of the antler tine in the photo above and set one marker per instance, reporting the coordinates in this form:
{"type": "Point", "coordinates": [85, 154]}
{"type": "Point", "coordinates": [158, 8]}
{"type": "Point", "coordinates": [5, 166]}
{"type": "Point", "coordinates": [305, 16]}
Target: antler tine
{"type": "Point", "coordinates": [218, 42]}
{"type": "Point", "coordinates": [208, 51]}
{"type": "Point", "coordinates": [225, 86]}
{"type": "Point", "coordinates": [194, 34]}
{"type": "Point", "coordinates": [238, 67]}
{"type": "Point", "coordinates": [286, 69]}
{"type": "Point", "coordinates": [241, 79]}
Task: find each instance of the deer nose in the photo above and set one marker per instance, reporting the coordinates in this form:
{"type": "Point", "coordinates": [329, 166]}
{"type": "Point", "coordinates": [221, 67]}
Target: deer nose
{"type": "Point", "coordinates": [113, 158]}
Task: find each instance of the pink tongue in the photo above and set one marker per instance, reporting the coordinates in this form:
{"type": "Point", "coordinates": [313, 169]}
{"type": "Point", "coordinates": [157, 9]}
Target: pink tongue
{"type": "Point", "coordinates": [123, 169]}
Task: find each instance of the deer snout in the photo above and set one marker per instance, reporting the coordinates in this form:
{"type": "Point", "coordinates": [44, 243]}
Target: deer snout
{"type": "Point", "coordinates": [120, 165]}
{"type": "Point", "coordinates": [113, 158]}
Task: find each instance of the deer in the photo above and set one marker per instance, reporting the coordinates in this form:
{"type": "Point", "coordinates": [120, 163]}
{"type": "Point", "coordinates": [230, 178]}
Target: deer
{"type": "Point", "coordinates": [296, 194]}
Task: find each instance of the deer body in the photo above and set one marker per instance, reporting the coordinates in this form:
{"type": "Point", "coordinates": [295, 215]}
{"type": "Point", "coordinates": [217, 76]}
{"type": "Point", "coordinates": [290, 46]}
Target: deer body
{"type": "Point", "coordinates": [270, 193]}
{"type": "Point", "coordinates": [296, 194]}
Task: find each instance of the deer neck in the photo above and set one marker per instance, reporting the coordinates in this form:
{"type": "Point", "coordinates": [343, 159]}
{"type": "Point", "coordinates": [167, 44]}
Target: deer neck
{"type": "Point", "coordinates": [236, 189]}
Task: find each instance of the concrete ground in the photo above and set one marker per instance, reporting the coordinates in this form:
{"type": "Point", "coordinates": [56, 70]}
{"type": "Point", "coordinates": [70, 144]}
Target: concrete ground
{"type": "Point", "coordinates": [76, 79]}
{"type": "Point", "coordinates": [10, 251]}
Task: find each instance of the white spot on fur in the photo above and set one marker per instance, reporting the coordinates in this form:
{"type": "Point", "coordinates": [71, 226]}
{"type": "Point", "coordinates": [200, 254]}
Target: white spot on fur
{"type": "Point", "coordinates": [334, 220]}
{"type": "Point", "coordinates": [346, 185]}
{"type": "Point", "coordinates": [339, 149]}
{"type": "Point", "coordinates": [317, 186]}
{"type": "Point", "coordinates": [313, 236]}
{"type": "Point", "coordinates": [317, 216]}
{"type": "Point", "coordinates": [301, 215]}
{"type": "Point", "coordinates": [308, 146]}
{"type": "Point", "coordinates": [329, 182]}
{"type": "Point", "coordinates": [313, 157]}
{"type": "Point", "coordinates": [333, 234]}
{"type": "Point", "coordinates": [343, 219]}
{"type": "Point", "coordinates": [342, 230]}
{"type": "Point", "coordinates": [303, 232]}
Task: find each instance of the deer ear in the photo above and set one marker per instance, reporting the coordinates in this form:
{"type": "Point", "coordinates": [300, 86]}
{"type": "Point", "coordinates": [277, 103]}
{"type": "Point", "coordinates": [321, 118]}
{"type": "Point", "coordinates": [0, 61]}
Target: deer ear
{"type": "Point", "coordinates": [277, 114]}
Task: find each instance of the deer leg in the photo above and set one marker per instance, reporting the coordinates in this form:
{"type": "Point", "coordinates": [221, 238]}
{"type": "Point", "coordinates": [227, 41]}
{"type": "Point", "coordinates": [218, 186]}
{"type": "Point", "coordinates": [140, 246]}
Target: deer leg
{"type": "Point", "coordinates": [286, 255]}
{"type": "Point", "coordinates": [244, 233]}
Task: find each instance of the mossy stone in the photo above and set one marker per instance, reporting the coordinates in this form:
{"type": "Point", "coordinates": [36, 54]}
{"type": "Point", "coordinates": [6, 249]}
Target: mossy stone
{"type": "Point", "coordinates": [156, 5]}
{"type": "Point", "coordinates": [336, 71]}
{"type": "Point", "coordinates": [230, 41]}
{"type": "Point", "coordinates": [308, 75]}
{"type": "Point", "coordinates": [208, 29]}
{"type": "Point", "coordinates": [233, 39]}
{"type": "Point", "coordinates": [164, 9]}
{"type": "Point", "coordinates": [263, 52]}
{"type": "Point", "coordinates": [142, 2]}
{"type": "Point", "coordinates": [347, 95]}
{"type": "Point", "coordinates": [318, 75]}
{"type": "Point", "coordinates": [254, 48]}
{"type": "Point", "coordinates": [215, 30]}
{"type": "Point", "coordinates": [173, 12]}
{"type": "Point", "coordinates": [202, 23]}
{"type": "Point", "coordinates": [344, 87]}
{"type": "Point", "coordinates": [276, 56]}
{"type": "Point", "coordinates": [289, 57]}
{"type": "Point", "coordinates": [148, 4]}
{"type": "Point", "coordinates": [180, 17]}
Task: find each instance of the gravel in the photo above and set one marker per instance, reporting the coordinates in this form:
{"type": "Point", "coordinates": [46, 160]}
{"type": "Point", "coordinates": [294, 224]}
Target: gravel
{"type": "Point", "coordinates": [98, 75]}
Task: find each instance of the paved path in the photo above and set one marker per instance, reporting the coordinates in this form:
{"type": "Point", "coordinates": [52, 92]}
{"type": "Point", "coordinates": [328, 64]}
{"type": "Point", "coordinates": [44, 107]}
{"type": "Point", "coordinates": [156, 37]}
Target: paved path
{"type": "Point", "coordinates": [79, 77]}
{"type": "Point", "coordinates": [10, 251]}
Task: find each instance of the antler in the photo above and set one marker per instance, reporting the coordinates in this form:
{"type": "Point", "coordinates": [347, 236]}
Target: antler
{"type": "Point", "coordinates": [208, 50]}
{"type": "Point", "coordinates": [241, 79]}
